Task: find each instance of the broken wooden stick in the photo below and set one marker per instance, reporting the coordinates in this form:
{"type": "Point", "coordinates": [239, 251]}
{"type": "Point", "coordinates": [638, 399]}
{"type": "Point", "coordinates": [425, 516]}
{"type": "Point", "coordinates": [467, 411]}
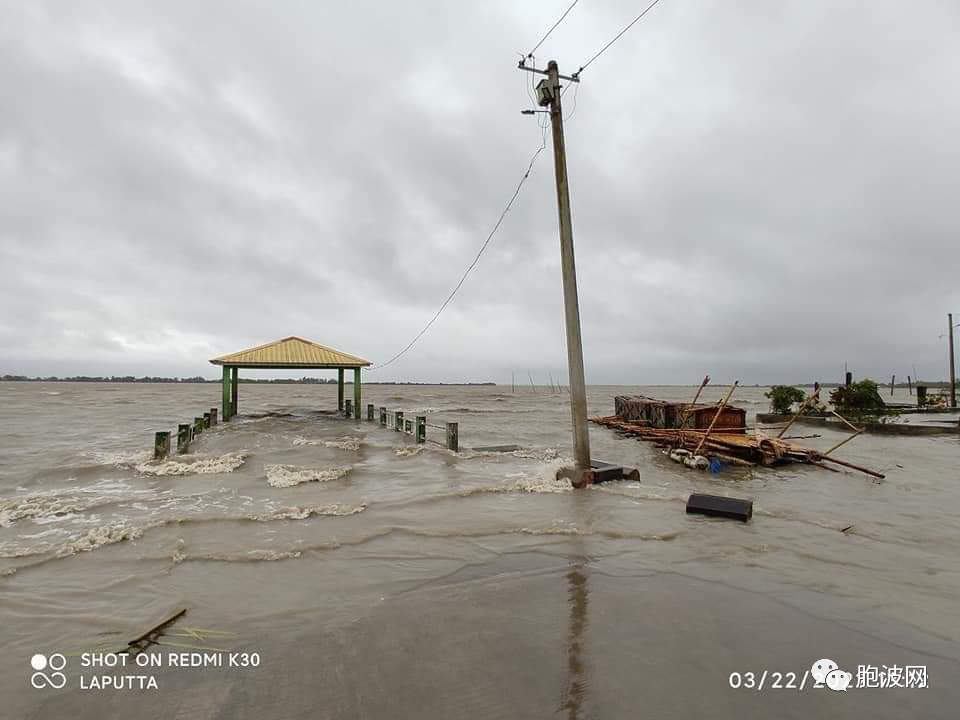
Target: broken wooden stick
{"type": "Point", "coordinates": [713, 422]}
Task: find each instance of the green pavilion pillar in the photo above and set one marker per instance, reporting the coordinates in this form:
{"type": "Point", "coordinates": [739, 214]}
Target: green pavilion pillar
{"type": "Point", "coordinates": [356, 393]}
{"type": "Point", "coordinates": [339, 388]}
{"type": "Point", "coordinates": [226, 393]}
{"type": "Point", "coordinates": [234, 386]}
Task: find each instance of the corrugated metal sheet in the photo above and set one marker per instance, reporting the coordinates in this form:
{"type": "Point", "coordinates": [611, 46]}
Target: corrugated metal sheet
{"type": "Point", "coordinates": [291, 352]}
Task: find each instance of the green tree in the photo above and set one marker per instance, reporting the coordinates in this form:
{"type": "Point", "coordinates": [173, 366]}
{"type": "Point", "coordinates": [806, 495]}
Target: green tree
{"type": "Point", "coordinates": [782, 398]}
{"type": "Point", "coordinates": [858, 397]}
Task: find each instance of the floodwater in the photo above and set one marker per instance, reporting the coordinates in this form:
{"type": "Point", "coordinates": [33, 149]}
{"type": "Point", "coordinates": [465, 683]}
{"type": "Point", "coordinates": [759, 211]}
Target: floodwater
{"type": "Point", "coordinates": [374, 578]}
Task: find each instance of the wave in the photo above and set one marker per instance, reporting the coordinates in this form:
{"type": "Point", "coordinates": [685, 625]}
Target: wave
{"type": "Point", "coordinates": [344, 443]}
{"type": "Point", "coordinates": [104, 535]}
{"type": "Point", "coordinates": [60, 503]}
{"type": "Point", "coordinates": [542, 454]}
{"type": "Point", "coordinates": [282, 476]}
{"type": "Point", "coordinates": [408, 450]}
{"type": "Point", "coordinates": [194, 465]}
{"type": "Point", "coordinates": [112, 533]}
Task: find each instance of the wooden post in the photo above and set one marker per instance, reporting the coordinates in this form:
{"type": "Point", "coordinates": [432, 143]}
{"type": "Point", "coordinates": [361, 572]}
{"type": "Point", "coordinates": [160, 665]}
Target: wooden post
{"type": "Point", "coordinates": [234, 389]}
{"type": "Point", "coordinates": [213, 416]}
{"type": "Point", "coordinates": [370, 412]}
{"type": "Point", "coordinates": [383, 416]}
{"type": "Point", "coordinates": [421, 429]}
{"type": "Point", "coordinates": [356, 392]}
{"type": "Point", "coordinates": [921, 395]}
{"type": "Point", "coordinates": [197, 425]}
{"type": "Point", "coordinates": [183, 438]}
{"type": "Point", "coordinates": [339, 388]}
{"type": "Point", "coordinates": [453, 436]}
{"type": "Point", "coordinates": [893, 380]}
{"type": "Point", "coordinates": [407, 426]}
{"type": "Point", "coordinates": [848, 380]}
{"type": "Point", "coordinates": [347, 407]}
{"type": "Point", "coordinates": [909, 385]}
{"type": "Point", "coordinates": [206, 421]}
{"type": "Point", "coordinates": [225, 388]}
{"type": "Point", "coordinates": [398, 423]}
{"type": "Point", "coordinates": [714, 421]}
{"type": "Point", "coordinates": [161, 444]}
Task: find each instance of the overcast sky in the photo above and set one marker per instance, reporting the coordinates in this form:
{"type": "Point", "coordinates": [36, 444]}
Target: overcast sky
{"type": "Point", "coordinates": [760, 190]}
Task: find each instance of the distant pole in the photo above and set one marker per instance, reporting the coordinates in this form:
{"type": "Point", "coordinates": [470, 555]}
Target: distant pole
{"type": "Point", "coordinates": [578, 388]}
{"type": "Point", "coordinates": [513, 385]}
{"type": "Point", "coordinates": [893, 380]}
{"type": "Point", "coordinates": [953, 366]}
{"type": "Point", "coordinates": [532, 386]}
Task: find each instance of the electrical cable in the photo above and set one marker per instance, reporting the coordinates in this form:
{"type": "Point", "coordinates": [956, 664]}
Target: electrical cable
{"type": "Point", "coordinates": [483, 247]}
{"type": "Point", "coordinates": [616, 37]}
{"type": "Point", "coordinates": [565, 13]}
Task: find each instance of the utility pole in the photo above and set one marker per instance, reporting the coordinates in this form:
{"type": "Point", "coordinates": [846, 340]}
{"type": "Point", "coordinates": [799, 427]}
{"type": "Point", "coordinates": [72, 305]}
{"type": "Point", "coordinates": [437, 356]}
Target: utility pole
{"type": "Point", "coordinates": [549, 94]}
{"type": "Point", "coordinates": [953, 371]}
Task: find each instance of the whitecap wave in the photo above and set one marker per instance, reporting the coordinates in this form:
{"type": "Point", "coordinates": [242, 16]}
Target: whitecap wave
{"type": "Point", "coordinates": [302, 513]}
{"type": "Point", "coordinates": [282, 476]}
{"type": "Point", "coordinates": [344, 443]}
{"type": "Point", "coordinates": [194, 465]}
{"type": "Point", "coordinates": [61, 503]}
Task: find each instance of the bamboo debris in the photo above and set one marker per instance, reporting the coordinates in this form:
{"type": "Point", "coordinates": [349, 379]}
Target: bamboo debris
{"type": "Point", "coordinates": [742, 449]}
{"type": "Point", "coordinates": [716, 416]}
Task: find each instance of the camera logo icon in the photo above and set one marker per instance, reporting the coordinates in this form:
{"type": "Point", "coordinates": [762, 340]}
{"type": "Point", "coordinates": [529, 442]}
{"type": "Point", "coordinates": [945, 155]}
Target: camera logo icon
{"type": "Point", "coordinates": [55, 663]}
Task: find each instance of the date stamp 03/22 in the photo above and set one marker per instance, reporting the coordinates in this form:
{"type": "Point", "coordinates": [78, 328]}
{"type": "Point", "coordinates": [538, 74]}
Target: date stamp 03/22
{"type": "Point", "coordinates": [826, 673]}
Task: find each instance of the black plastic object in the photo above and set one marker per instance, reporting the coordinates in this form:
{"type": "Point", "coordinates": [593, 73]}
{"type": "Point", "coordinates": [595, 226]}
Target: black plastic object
{"type": "Point", "coordinates": [717, 506]}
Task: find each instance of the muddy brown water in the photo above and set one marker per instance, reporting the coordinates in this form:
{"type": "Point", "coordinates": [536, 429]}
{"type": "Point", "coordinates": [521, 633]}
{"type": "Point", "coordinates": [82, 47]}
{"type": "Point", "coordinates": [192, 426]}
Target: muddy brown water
{"type": "Point", "coordinates": [375, 578]}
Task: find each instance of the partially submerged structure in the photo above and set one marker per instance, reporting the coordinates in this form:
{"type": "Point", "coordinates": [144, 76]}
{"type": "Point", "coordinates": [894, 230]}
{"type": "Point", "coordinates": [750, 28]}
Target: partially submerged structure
{"type": "Point", "coordinates": [665, 414]}
{"type": "Point", "coordinates": [696, 435]}
{"type": "Point", "coordinates": [289, 353]}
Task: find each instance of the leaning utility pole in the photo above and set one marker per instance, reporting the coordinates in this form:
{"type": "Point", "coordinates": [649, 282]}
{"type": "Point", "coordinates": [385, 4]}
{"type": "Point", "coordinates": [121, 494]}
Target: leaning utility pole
{"type": "Point", "coordinates": [953, 371]}
{"type": "Point", "coordinates": [548, 94]}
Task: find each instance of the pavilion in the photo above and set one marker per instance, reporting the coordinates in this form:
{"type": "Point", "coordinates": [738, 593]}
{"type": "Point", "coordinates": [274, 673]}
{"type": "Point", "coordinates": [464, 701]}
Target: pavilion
{"type": "Point", "coordinates": [290, 353]}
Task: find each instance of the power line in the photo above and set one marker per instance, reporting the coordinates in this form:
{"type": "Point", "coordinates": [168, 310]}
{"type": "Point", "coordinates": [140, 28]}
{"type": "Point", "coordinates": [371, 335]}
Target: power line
{"type": "Point", "coordinates": [617, 37]}
{"type": "Point", "coordinates": [565, 13]}
{"type": "Point", "coordinates": [466, 272]}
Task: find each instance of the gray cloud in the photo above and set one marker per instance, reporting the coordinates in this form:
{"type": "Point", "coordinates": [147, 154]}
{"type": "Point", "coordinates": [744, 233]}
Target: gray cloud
{"type": "Point", "coordinates": [760, 191]}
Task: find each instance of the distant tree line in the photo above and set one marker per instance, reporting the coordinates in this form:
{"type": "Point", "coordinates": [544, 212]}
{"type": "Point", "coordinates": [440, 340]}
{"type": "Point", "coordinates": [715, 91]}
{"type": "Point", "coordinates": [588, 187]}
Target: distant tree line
{"type": "Point", "coordinates": [152, 379]}
{"type": "Point", "coordinates": [199, 379]}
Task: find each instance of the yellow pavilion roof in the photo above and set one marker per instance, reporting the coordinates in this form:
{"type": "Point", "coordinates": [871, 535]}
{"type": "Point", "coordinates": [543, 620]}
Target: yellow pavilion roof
{"type": "Point", "coordinates": [291, 352]}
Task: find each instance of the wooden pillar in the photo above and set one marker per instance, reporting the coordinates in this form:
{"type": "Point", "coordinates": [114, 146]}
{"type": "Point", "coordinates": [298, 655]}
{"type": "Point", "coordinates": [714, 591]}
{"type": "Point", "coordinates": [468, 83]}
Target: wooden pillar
{"type": "Point", "coordinates": [213, 416]}
{"type": "Point", "coordinates": [183, 438]}
{"type": "Point", "coordinates": [453, 436]}
{"type": "Point", "coordinates": [398, 420]}
{"type": "Point", "coordinates": [339, 388]}
{"type": "Point", "coordinates": [234, 388]}
{"type": "Point", "coordinates": [421, 429]}
{"type": "Point", "coordinates": [383, 416]}
{"type": "Point", "coordinates": [161, 445]}
{"type": "Point", "coordinates": [356, 393]}
{"type": "Point", "coordinates": [370, 412]}
{"type": "Point", "coordinates": [225, 388]}
{"type": "Point", "coordinates": [348, 407]}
